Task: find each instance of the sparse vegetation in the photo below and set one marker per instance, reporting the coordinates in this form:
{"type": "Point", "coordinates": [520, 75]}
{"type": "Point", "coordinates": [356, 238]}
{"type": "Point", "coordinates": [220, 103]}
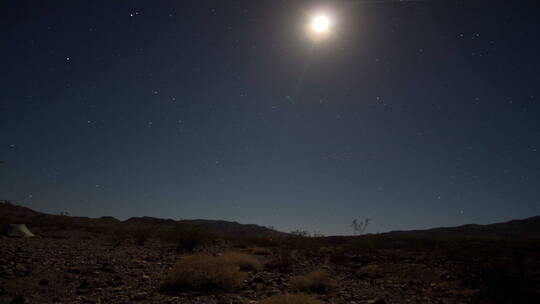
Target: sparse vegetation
{"type": "Point", "coordinates": [362, 245]}
{"type": "Point", "coordinates": [291, 299]}
{"type": "Point", "coordinates": [504, 285]}
{"type": "Point", "coordinates": [188, 236]}
{"type": "Point", "coordinates": [282, 258]}
{"type": "Point", "coordinates": [316, 281]}
{"type": "Point", "coordinates": [298, 246]}
{"type": "Point", "coordinates": [369, 272]}
{"type": "Point", "coordinates": [204, 272]}
{"type": "Point", "coordinates": [337, 256]}
{"type": "Point", "coordinates": [360, 227]}
{"type": "Point", "coordinates": [119, 235]}
{"type": "Point", "coordinates": [449, 269]}
{"type": "Point", "coordinates": [140, 235]}
{"type": "Point", "coordinates": [4, 223]}
{"type": "Point", "coordinates": [260, 251]}
{"type": "Point", "coordinates": [242, 260]}
{"type": "Point", "coordinates": [246, 242]}
{"type": "Point", "coordinates": [65, 221]}
{"type": "Point", "coordinates": [501, 280]}
{"type": "Point", "coordinates": [300, 233]}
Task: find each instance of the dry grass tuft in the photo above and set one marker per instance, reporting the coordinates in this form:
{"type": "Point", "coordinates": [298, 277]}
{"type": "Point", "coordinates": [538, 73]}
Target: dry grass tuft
{"type": "Point", "coordinates": [244, 261]}
{"type": "Point", "coordinates": [317, 281]}
{"type": "Point", "coordinates": [282, 259]}
{"type": "Point", "coordinates": [204, 272]}
{"type": "Point", "coordinates": [260, 251]}
{"type": "Point", "coordinates": [291, 299]}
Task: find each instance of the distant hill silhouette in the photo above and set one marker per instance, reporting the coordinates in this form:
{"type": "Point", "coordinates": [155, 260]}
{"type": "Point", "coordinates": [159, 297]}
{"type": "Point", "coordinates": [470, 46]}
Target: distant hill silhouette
{"type": "Point", "coordinates": [523, 228]}
{"type": "Point", "coordinates": [20, 214]}
{"type": "Point", "coordinates": [150, 221]}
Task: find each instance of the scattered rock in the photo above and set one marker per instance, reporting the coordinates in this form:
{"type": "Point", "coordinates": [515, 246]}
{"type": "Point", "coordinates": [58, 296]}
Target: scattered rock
{"type": "Point", "coordinates": [20, 268]}
{"type": "Point", "coordinates": [83, 284]}
{"type": "Point", "coordinates": [19, 299]}
{"type": "Point", "coordinates": [141, 296]}
{"type": "Point", "coordinates": [374, 301]}
{"type": "Point", "coordinates": [258, 280]}
{"type": "Point", "coordinates": [94, 271]}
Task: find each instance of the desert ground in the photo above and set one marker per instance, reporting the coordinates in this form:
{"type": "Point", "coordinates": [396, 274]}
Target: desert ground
{"type": "Point", "coordinates": [69, 262]}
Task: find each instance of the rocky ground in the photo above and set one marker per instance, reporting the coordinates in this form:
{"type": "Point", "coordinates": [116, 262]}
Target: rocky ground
{"type": "Point", "coordinates": [93, 268]}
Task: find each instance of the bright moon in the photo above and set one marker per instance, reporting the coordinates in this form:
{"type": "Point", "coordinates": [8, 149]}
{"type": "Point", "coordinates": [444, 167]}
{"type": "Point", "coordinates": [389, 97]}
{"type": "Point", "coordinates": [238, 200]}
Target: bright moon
{"type": "Point", "coordinates": [320, 24]}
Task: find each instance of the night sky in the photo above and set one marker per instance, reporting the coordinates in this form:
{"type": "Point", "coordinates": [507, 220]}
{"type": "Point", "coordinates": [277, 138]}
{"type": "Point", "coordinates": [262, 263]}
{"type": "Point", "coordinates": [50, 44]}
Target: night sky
{"type": "Point", "coordinates": [416, 114]}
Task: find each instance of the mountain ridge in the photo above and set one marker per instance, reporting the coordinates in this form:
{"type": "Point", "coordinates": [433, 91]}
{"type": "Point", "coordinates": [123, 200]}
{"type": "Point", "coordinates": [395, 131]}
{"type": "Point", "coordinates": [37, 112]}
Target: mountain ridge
{"type": "Point", "coordinates": [527, 227]}
{"type": "Point", "coordinates": [522, 228]}
{"type": "Point", "coordinates": [22, 214]}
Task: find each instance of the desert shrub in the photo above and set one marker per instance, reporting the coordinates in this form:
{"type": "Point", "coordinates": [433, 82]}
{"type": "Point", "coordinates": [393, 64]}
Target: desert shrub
{"type": "Point", "coordinates": [300, 233]}
{"type": "Point", "coordinates": [203, 272]}
{"type": "Point", "coordinates": [187, 236]}
{"type": "Point", "coordinates": [64, 222]}
{"type": "Point", "coordinates": [291, 299]}
{"type": "Point", "coordinates": [338, 256]}
{"type": "Point", "coordinates": [503, 284]}
{"type": "Point", "coordinates": [97, 229]}
{"type": "Point", "coordinates": [140, 235]}
{"type": "Point", "coordinates": [246, 242]}
{"type": "Point", "coordinates": [361, 246]}
{"type": "Point", "coordinates": [293, 248]}
{"type": "Point", "coordinates": [282, 259]}
{"type": "Point", "coordinates": [61, 220]}
{"type": "Point", "coordinates": [369, 272]}
{"type": "Point", "coordinates": [4, 222]}
{"type": "Point", "coordinates": [242, 260]}
{"type": "Point", "coordinates": [317, 281]}
{"type": "Point", "coordinates": [304, 245]}
{"type": "Point", "coordinates": [359, 227]}
{"type": "Point", "coordinates": [119, 235]}
{"type": "Point", "coordinates": [326, 250]}
{"type": "Point", "coordinates": [260, 251]}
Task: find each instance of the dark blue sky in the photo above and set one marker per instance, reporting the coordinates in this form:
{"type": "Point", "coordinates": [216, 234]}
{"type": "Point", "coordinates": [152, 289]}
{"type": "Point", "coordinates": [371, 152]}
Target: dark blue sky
{"type": "Point", "coordinates": [415, 114]}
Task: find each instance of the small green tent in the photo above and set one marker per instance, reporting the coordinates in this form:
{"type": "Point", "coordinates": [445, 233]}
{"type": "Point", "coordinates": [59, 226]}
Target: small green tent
{"type": "Point", "coordinates": [18, 230]}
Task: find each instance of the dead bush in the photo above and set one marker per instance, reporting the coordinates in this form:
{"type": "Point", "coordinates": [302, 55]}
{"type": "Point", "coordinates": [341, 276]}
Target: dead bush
{"type": "Point", "coordinates": [243, 261]}
{"type": "Point", "coordinates": [316, 281]}
{"type": "Point", "coordinates": [203, 272]}
{"type": "Point", "coordinates": [187, 236]}
{"type": "Point", "coordinates": [291, 299]}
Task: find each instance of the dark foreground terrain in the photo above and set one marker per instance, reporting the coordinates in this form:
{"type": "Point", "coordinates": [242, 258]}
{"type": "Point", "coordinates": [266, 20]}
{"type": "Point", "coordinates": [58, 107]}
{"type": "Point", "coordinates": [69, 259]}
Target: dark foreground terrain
{"type": "Point", "coordinates": [70, 261]}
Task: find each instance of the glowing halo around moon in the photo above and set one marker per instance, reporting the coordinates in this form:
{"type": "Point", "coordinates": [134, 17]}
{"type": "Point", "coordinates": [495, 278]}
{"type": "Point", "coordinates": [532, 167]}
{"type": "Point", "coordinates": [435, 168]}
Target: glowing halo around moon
{"type": "Point", "coordinates": [319, 26]}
